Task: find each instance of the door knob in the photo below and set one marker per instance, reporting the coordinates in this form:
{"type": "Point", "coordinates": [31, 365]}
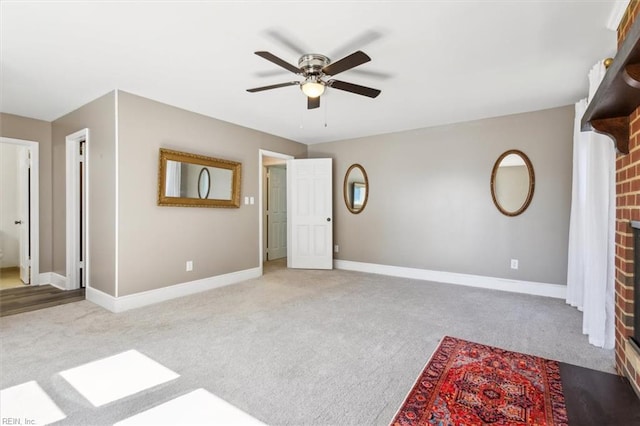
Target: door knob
{"type": "Point", "coordinates": [17, 222]}
{"type": "Point", "coordinates": [328, 219]}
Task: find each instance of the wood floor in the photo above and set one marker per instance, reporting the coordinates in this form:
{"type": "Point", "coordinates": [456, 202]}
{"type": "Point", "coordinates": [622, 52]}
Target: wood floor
{"type": "Point", "coordinates": [594, 398]}
{"type": "Point", "coordinates": [31, 298]}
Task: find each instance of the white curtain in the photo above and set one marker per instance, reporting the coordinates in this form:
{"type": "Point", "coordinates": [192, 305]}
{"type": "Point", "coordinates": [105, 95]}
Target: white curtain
{"type": "Point", "coordinates": [591, 268]}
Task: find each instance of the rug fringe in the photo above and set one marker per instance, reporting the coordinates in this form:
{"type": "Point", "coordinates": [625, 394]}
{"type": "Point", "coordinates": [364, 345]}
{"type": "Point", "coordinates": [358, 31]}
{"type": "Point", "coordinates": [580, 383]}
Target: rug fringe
{"type": "Point", "coordinates": [415, 383]}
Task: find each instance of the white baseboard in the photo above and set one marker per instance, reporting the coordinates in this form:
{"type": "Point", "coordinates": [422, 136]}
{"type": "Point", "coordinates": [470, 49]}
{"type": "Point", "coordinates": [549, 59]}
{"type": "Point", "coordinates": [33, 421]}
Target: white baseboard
{"type": "Point", "coordinates": [54, 279]}
{"type": "Point", "coordinates": [59, 281]}
{"type": "Point", "coordinates": [44, 278]}
{"type": "Point", "coordinates": [527, 287]}
{"type": "Point", "coordinates": [101, 298]}
{"type": "Point", "coordinates": [137, 300]}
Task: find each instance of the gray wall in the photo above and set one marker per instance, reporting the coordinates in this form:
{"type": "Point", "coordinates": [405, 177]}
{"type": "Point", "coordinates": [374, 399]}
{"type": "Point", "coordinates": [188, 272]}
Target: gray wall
{"type": "Point", "coordinates": [155, 242]}
{"type": "Point", "coordinates": [430, 203]}
{"type": "Point", "coordinates": [13, 126]}
{"type": "Point", "coordinates": [99, 117]}
{"type": "Point", "coordinates": [429, 198]}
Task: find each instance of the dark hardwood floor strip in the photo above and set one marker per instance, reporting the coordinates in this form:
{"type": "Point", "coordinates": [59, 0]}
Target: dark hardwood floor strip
{"type": "Point", "coordinates": [25, 299]}
{"type": "Point", "coordinates": [599, 399]}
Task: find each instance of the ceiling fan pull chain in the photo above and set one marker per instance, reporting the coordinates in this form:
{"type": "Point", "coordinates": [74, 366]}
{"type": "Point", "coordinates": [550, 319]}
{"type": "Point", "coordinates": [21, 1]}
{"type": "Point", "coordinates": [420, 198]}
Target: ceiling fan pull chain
{"type": "Point", "coordinates": [325, 113]}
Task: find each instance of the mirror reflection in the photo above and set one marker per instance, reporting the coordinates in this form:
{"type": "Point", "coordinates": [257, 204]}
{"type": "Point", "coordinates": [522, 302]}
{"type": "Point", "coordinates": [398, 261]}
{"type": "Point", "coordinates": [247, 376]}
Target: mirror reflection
{"type": "Point", "coordinates": [356, 188]}
{"type": "Point", "coordinates": [197, 181]}
{"type": "Point", "coordinates": [204, 181]}
{"type": "Point", "coordinates": [512, 183]}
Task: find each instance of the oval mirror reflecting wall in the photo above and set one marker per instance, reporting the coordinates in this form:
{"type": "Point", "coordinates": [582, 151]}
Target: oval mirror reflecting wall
{"type": "Point", "coordinates": [204, 183]}
{"type": "Point", "coordinates": [512, 182]}
{"type": "Point", "coordinates": [356, 188]}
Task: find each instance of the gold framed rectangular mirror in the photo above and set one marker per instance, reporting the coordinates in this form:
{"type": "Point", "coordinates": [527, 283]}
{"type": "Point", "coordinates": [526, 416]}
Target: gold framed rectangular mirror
{"type": "Point", "coordinates": [192, 180]}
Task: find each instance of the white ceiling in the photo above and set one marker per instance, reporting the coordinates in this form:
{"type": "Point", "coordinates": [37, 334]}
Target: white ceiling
{"type": "Point", "coordinates": [436, 62]}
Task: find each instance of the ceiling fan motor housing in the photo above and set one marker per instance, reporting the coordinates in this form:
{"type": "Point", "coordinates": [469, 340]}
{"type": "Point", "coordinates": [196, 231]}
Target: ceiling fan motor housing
{"type": "Point", "coordinates": [312, 63]}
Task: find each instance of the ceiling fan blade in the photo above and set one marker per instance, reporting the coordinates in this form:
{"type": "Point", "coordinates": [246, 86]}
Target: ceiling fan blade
{"type": "Point", "coordinates": [273, 86]}
{"type": "Point", "coordinates": [381, 75]}
{"type": "Point", "coordinates": [271, 73]}
{"type": "Point", "coordinates": [354, 88]}
{"type": "Point", "coordinates": [346, 63]}
{"type": "Point", "coordinates": [288, 41]}
{"type": "Point", "coordinates": [284, 64]}
{"type": "Point", "coordinates": [313, 103]}
{"type": "Point", "coordinates": [357, 42]}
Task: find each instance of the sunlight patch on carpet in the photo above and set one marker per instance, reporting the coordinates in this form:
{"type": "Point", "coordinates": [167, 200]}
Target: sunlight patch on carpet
{"type": "Point", "coordinates": [118, 376]}
{"type": "Point", "coordinates": [28, 403]}
{"type": "Point", "coordinates": [199, 407]}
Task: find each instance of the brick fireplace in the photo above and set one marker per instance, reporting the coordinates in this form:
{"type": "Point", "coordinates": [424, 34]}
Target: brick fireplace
{"type": "Point", "coordinates": [627, 210]}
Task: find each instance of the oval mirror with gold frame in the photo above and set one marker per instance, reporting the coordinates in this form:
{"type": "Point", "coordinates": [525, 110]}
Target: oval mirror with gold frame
{"type": "Point", "coordinates": [356, 188]}
{"type": "Point", "coordinates": [512, 182]}
{"type": "Point", "coordinates": [204, 183]}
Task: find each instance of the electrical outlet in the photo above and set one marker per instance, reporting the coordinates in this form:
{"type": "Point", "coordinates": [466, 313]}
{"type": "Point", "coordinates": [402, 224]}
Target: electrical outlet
{"type": "Point", "coordinates": [514, 263]}
{"type": "Point", "coordinates": [189, 265]}
{"type": "Point", "coordinates": [336, 248]}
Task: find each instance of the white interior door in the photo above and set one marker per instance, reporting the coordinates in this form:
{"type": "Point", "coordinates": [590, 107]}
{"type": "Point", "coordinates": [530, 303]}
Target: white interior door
{"type": "Point", "coordinates": [310, 206]}
{"type": "Point", "coordinates": [23, 213]}
{"type": "Point", "coordinates": [277, 213]}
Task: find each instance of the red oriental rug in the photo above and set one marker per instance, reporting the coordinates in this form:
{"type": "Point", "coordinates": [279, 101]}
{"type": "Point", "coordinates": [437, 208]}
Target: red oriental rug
{"type": "Point", "coordinates": [466, 383]}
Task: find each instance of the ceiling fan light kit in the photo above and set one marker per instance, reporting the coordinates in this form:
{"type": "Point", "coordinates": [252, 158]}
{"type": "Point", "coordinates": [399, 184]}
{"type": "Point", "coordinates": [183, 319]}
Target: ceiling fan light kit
{"type": "Point", "coordinates": [312, 87]}
{"type": "Point", "coordinates": [315, 67]}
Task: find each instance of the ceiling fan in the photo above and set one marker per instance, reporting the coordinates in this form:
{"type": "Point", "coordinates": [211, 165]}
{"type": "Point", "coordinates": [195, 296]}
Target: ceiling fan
{"type": "Point", "coordinates": [315, 69]}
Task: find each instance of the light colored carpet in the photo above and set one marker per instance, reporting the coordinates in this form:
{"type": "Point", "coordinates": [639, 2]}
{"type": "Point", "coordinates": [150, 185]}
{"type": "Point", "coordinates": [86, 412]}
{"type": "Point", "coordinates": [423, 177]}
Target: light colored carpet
{"type": "Point", "coordinates": [293, 347]}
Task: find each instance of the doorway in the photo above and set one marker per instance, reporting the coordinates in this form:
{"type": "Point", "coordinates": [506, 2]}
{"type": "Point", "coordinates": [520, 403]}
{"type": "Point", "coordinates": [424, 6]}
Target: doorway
{"type": "Point", "coordinates": [19, 213]}
{"type": "Point", "coordinates": [272, 199]}
{"type": "Point", "coordinates": [276, 212]}
{"type": "Point", "coordinates": [307, 212]}
{"type": "Point", "coordinates": [77, 178]}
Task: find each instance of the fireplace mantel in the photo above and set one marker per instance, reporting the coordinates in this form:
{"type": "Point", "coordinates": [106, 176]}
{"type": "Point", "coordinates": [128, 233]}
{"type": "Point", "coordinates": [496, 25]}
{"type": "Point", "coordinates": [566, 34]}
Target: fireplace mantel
{"type": "Point", "coordinates": [618, 95]}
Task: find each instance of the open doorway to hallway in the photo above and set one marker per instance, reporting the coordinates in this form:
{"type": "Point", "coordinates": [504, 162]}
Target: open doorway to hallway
{"type": "Point", "coordinates": [275, 211]}
{"type": "Point", "coordinates": [273, 206]}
